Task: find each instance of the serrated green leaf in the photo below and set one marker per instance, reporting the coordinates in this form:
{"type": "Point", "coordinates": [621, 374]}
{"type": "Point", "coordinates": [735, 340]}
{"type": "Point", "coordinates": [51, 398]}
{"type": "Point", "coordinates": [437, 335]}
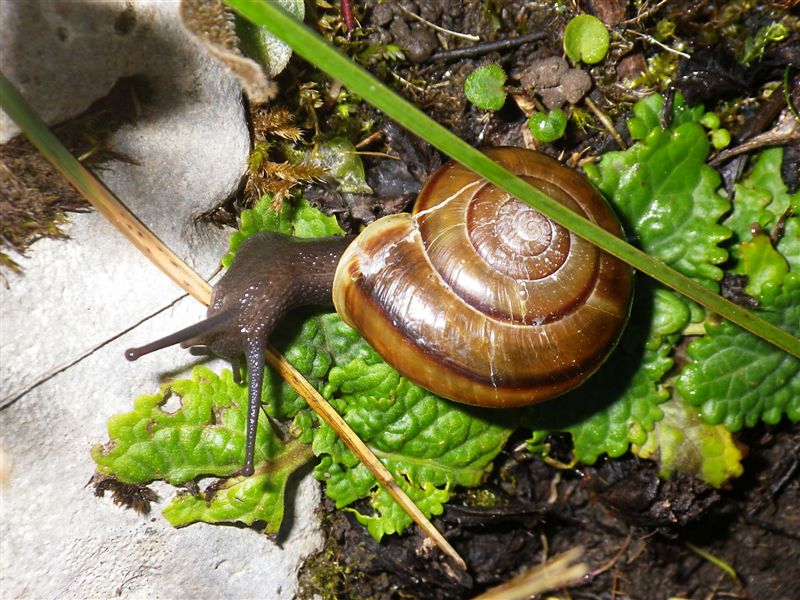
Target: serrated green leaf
{"type": "Point", "coordinates": [345, 343]}
{"type": "Point", "coordinates": [648, 111]}
{"type": "Point", "coordinates": [646, 116]}
{"type": "Point", "coordinates": [205, 436]}
{"type": "Point", "coordinates": [391, 518]}
{"type": "Point", "coordinates": [682, 443]}
{"type": "Point", "coordinates": [303, 342]}
{"type": "Point", "coordinates": [738, 379]}
{"type": "Point", "coordinates": [789, 244]}
{"type": "Point", "coordinates": [247, 500]}
{"type": "Point", "coordinates": [671, 314]}
{"type": "Point", "coordinates": [762, 199]}
{"type": "Point", "coordinates": [294, 218]}
{"type": "Point", "coordinates": [429, 444]}
{"type": "Point", "coordinates": [762, 264]}
{"type": "Point", "coordinates": [607, 419]}
{"type": "Point", "coordinates": [485, 89]}
{"type": "Point", "coordinates": [667, 195]}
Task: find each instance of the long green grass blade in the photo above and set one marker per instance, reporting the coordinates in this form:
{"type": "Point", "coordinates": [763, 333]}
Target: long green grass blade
{"type": "Point", "coordinates": [313, 48]}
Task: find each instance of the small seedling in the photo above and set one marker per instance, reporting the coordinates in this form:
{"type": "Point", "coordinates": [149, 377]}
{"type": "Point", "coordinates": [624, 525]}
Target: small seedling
{"type": "Point", "coordinates": [710, 120]}
{"type": "Point", "coordinates": [548, 127]}
{"type": "Point", "coordinates": [484, 87]}
{"type": "Point", "coordinates": [755, 45]}
{"type": "Point", "coordinates": [720, 137]}
{"type": "Point", "coordinates": [586, 39]}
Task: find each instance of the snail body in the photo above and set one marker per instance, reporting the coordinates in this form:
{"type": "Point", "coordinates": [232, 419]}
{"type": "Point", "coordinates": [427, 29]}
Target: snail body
{"type": "Point", "coordinates": [475, 296]}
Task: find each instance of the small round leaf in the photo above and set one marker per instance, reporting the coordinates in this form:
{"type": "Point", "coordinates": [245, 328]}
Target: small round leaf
{"type": "Point", "coordinates": [484, 87]}
{"type": "Point", "coordinates": [548, 127]}
{"type": "Point", "coordinates": [586, 39]}
{"type": "Point", "coordinates": [710, 120]}
{"type": "Point", "coordinates": [720, 138]}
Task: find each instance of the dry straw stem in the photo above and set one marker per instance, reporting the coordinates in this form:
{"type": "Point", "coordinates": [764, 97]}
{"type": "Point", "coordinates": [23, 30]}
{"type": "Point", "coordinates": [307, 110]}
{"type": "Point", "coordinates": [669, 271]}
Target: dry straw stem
{"type": "Point", "coordinates": [557, 573]}
{"type": "Point", "coordinates": [176, 269]}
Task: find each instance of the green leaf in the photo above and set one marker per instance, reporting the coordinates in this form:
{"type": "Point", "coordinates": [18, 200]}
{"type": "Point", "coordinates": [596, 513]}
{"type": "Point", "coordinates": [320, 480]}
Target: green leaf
{"type": "Point", "coordinates": [205, 436]}
{"type": "Point", "coordinates": [586, 39]}
{"type": "Point", "coordinates": [789, 244]}
{"type": "Point", "coordinates": [259, 498]}
{"type": "Point", "coordinates": [738, 379]}
{"type": "Point", "coordinates": [670, 315]}
{"type": "Point", "coordinates": [345, 343]}
{"type": "Point", "coordinates": [667, 195]}
{"type": "Point", "coordinates": [682, 443]}
{"type": "Point", "coordinates": [390, 518]}
{"type": "Point", "coordinates": [294, 218]}
{"type": "Point", "coordinates": [302, 340]}
{"type": "Point", "coordinates": [710, 121]}
{"type": "Point", "coordinates": [762, 264]}
{"type": "Point", "coordinates": [484, 87]}
{"type": "Point", "coordinates": [647, 115]}
{"type": "Point", "coordinates": [761, 200]}
{"type": "Point", "coordinates": [548, 127]}
{"type": "Point", "coordinates": [427, 443]}
{"type": "Point", "coordinates": [607, 419]}
{"type": "Point", "coordinates": [720, 138]}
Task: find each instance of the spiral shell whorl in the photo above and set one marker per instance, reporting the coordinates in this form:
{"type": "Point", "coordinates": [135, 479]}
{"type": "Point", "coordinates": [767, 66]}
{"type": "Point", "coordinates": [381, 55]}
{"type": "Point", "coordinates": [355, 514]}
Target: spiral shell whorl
{"type": "Point", "coordinates": [507, 310]}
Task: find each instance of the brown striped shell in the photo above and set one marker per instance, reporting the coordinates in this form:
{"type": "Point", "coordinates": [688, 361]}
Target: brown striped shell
{"type": "Point", "coordinates": [480, 298]}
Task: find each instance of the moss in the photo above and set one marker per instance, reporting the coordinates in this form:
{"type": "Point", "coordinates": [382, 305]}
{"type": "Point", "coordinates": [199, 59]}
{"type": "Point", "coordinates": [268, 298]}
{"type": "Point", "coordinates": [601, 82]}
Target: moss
{"type": "Point", "coordinates": [483, 497]}
{"type": "Point", "coordinates": [322, 575]}
{"type": "Point", "coordinates": [34, 198]}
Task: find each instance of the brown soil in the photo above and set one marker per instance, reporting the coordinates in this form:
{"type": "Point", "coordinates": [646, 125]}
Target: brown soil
{"type": "Point", "coordinates": [643, 537]}
{"type": "Point", "coordinates": [638, 533]}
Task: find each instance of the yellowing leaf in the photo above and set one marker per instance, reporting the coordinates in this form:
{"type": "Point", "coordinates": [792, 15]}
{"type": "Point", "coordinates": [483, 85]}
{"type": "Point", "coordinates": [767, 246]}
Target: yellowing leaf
{"type": "Point", "coordinates": [683, 443]}
{"type": "Point", "coordinates": [762, 264]}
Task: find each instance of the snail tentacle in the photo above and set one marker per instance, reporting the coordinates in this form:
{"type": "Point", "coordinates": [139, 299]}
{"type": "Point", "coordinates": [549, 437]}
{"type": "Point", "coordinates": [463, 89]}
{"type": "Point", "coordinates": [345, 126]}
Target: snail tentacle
{"type": "Point", "coordinates": [254, 355]}
{"type": "Point", "coordinates": [186, 337]}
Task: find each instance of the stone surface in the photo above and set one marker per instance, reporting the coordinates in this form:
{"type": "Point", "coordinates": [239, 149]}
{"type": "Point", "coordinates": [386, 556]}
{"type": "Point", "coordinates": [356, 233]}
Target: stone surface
{"type": "Point", "coordinates": [65, 323]}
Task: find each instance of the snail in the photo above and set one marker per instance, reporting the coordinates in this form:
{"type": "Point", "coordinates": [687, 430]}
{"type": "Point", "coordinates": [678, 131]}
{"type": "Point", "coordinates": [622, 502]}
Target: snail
{"type": "Point", "coordinates": [475, 296]}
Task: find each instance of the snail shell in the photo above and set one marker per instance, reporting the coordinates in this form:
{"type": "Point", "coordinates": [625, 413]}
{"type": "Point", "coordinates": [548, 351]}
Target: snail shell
{"type": "Point", "coordinates": [479, 297]}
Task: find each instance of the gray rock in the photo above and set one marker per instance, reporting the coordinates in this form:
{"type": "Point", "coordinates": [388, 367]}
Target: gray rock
{"type": "Point", "coordinates": [66, 321]}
